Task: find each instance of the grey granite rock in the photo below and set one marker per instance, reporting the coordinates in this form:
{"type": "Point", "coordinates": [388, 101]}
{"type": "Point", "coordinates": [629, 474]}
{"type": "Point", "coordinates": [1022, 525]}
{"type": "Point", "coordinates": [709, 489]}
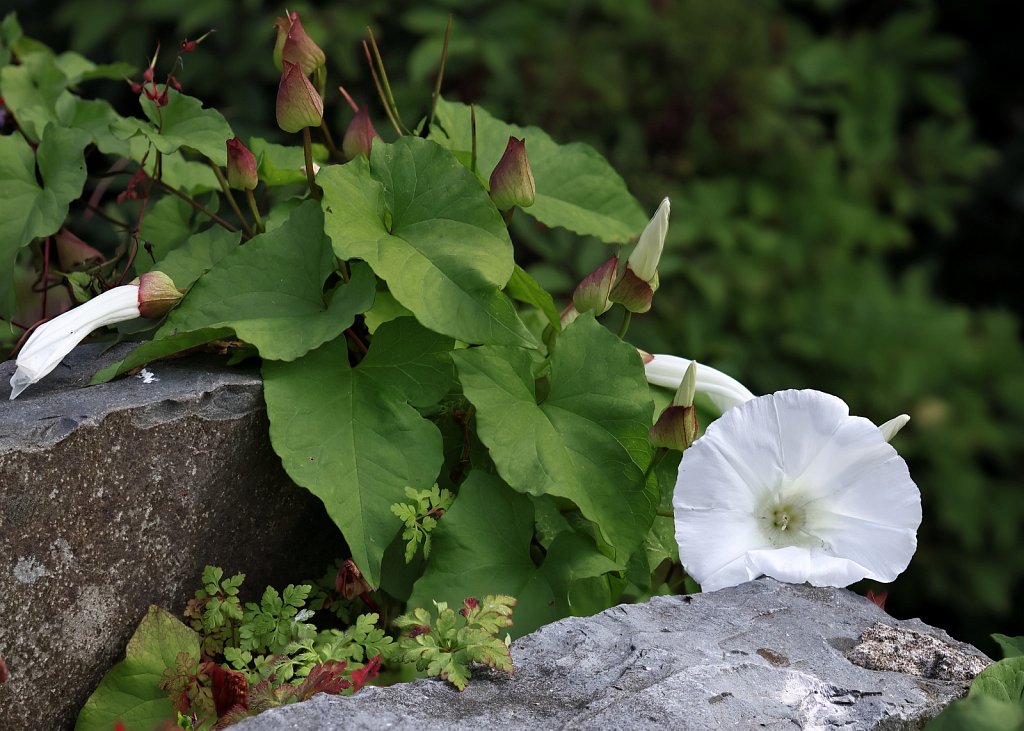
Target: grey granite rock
{"type": "Point", "coordinates": [764, 655]}
{"type": "Point", "coordinates": [113, 497]}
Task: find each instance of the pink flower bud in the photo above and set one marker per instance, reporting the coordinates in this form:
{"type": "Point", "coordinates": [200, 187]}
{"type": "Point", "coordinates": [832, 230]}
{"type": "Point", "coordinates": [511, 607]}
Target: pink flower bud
{"type": "Point", "coordinates": [512, 180]}
{"type": "Point", "coordinates": [592, 293]}
{"type": "Point", "coordinates": [295, 46]}
{"type": "Point", "coordinates": [241, 166]}
{"type": "Point", "coordinates": [298, 104]}
{"type": "Point", "coordinates": [74, 254]}
{"type": "Point", "coordinates": [157, 294]}
{"type": "Point", "coordinates": [359, 135]}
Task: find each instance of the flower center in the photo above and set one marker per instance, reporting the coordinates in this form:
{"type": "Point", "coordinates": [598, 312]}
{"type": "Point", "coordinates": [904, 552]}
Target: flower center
{"type": "Point", "coordinates": [782, 517]}
{"type": "Point", "coordinates": [785, 522]}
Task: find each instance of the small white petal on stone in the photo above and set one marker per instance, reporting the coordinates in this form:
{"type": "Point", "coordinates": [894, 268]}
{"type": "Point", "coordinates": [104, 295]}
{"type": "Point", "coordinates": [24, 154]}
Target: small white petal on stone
{"type": "Point", "coordinates": [147, 376]}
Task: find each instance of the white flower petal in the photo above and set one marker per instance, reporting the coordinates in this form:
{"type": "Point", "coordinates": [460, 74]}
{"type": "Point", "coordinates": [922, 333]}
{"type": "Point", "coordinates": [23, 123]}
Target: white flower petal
{"type": "Point", "coordinates": [713, 545]}
{"type": "Point", "coordinates": [54, 339]}
{"type": "Point", "coordinates": [797, 565]}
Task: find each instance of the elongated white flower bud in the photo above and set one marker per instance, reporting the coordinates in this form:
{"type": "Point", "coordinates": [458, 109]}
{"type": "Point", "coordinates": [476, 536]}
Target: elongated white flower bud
{"type": "Point", "coordinates": [151, 295]}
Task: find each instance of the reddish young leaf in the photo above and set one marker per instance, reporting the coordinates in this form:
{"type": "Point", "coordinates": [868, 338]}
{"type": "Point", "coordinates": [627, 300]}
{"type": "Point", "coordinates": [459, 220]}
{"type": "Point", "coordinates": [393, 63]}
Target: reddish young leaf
{"type": "Point", "coordinates": [327, 677]}
{"type": "Point", "coordinates": [230, 689]}
{"type": "Point", "coordinates": [879, 598]}
{"type": "Point", "coordinates": [365, 674]}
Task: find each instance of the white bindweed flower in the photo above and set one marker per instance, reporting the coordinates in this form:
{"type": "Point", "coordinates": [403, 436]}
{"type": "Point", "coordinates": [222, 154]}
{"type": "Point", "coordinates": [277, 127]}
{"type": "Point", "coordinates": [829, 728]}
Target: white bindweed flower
{"type": "Point", "coordinates": [151, 295]}
{"type": "Point", "coordinates": [789, 485]}
{"type": "Point", "coordinates": [668, 371]}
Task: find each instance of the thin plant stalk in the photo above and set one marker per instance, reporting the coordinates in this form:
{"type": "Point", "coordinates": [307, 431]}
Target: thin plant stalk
{"type": "Point", "coordinates": [307, 148]}
{"type": "Point", "coordinates": [196, 204]}
{"type": "Point", "coordinates": [624, 327]}
{"type": "Point", "coordinates": [472, 134]}
{"type": "Point", "coordinates": [255, 211]}
{"type": "Point", "coordinates": [231, 198]}
{"type": "Point", "coordinates": [440, 70]}
{"type": "Point", "coordinates": [384, 79]}
{"type": "Point", "coordinates": [380, 92]}
{"type": "Point", "coordinates": [329, 140]}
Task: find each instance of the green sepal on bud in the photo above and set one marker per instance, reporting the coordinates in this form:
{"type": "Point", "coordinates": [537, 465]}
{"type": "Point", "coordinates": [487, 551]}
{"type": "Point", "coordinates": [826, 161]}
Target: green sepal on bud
{"type": "Point", "coordinates": [298, 103]}
{"type": "Point", "coordinates": [677, 426]}
{"type": "Point", "coordinates": [359, 135]}
{"type": "Point", "coordinates": [592, 293]}
{"type": "Point", "coordinates": [74, 254]}
{"type": "Point", "coordinates": [511, 181]}
{"type": "Point", "coordinates": [242, 173]}
{"type": "Point", "coordinates": [157, 294]}
{"type": "Point", "coordinates": [294, 45]}
{"type": "Point", "coordinates": [632, 292]}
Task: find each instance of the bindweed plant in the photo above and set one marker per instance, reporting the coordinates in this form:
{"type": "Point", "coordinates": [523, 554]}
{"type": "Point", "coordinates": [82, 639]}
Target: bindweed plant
{"type": "Point", "coordinates": [469, 436]}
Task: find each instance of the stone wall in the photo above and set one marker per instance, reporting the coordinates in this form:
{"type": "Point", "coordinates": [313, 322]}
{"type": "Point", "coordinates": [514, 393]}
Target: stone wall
{"type": "Point", "coordinates": [114, 497]}
{"type": "Point", "coordinates": [763, 655]}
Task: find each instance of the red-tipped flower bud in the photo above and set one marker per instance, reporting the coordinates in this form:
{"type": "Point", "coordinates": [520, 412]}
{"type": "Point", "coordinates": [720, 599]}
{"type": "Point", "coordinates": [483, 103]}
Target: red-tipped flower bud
{"type": "Point", "coordinates": [157, 294]}
{"type": "Point", "coordinates": [298, 104]}
{"type": "Point", "coordinates": [592, 293]}
{"type": "Point", "coordinates": [359, 135]}
{"type": "Point", "coordinates": [350, 582]}
{"type": "Point", "coordinates": [74, 254]}
{"type": "Point", "coordinates": [295, 46]}
{"type": "Point", "coordinates": [241, 166]}
{"type": "Point", "coordinates": [512, 180]}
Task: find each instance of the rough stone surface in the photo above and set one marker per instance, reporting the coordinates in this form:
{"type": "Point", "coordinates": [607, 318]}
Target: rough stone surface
{"type": "Point", "coordinates": [114, 497]}
{"type": "Point", "coordinates": [763, 655]}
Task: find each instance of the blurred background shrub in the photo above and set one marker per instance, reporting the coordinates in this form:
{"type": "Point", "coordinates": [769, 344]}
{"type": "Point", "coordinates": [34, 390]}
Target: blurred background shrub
{"type": "Point", "coordinates": [845, 180]}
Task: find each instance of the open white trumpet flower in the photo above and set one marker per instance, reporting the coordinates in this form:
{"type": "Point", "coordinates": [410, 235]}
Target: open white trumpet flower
{"type": "Point", "coordinates": [789, 485]}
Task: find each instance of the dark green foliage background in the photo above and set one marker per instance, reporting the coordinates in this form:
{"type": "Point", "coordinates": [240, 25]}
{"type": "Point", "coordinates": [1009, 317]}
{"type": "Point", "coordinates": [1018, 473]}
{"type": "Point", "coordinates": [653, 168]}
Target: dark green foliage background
{"type": "Point", "coordinates": [842, 177]}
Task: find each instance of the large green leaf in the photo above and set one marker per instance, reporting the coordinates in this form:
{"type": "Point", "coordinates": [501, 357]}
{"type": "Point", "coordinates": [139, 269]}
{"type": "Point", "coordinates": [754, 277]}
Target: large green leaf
{"type": "Point", "coordinates": [576, 187]}
{"type": "Point", "coordinates": [1011, 646]}
{"type": "Point", "coordinates": [31, 90]}
{"type": "Point", "coordinates": [1003, 681]}
{"type": "Point", "coordinates": [979, 713]}
{"type": "Point", "coordinates": [525, 288]}
{"type": "Point", "coordinates": [182, 123]}
{"type": "Point", "coordinates": [412, 359]}
{"type": "Point", "coordinates": [168, 224]}
{"type": "Point", "coordinates": [130, 692]}
{"type": "Point", "coordinates": [281, 165]}
{"type": "Point", "coordinates": [270, 291]}
{"type": "Point", "coordinates": [585, 441]}
{"type": "Point", "coordinates": [482, 546]}
{"type": "Point", "coordinates": [186, 263]}
{"type": "Point", "coordinates": [425, 225]}
{"type": "Point", "coordinates": [353, 441]}
{"type": "Point", "coordinates": [28, 211]}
